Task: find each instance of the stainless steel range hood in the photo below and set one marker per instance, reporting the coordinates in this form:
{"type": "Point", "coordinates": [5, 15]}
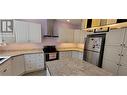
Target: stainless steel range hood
{"type": "Point", "coordinates": [50, 28]}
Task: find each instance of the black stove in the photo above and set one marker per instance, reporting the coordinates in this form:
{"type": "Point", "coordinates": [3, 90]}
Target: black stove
{"type": "Point", "coordinates": [51, 53]}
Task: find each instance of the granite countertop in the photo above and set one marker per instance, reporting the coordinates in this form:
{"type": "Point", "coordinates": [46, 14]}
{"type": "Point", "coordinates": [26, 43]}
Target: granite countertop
{"type": "Point", "coordinates": [19, 52]}
{"type": "Point", "coordinates": [70, 49]}
{"type": "Point", "coordinates": [74, 67]}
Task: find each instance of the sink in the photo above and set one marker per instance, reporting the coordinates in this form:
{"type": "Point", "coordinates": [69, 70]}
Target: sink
{"type": "Point", "coordinates": [2, 59]}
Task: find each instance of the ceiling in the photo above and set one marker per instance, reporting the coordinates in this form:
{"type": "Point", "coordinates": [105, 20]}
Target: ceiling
{"type": "Point", "coordinates": [71, 21]}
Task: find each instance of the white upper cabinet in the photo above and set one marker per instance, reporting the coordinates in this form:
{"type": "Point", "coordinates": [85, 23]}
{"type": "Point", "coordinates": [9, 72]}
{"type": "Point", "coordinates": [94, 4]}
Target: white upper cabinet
{"type": "Point", "coordinates": [27, 32]}
{"type": "Point", "coordinates": [111, 21]}
{"type": "Point", "coordinates": [21, 30]}
{"type": "Point", "coordinates": [0, 38]}
{"type": "Point", "coordinates": [115, 37]}
{"type": "Point", "coordinates": [66, 35]}
{"type": "Point", "coordinates": [34, 32]}
{"type": "Point", "coordinates": [79, 36]}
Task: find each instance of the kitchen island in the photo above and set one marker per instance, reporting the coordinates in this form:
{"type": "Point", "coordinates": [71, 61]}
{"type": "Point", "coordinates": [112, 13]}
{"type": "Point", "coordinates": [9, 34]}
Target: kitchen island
{"type": "Point", "coordinates": [74, 67]}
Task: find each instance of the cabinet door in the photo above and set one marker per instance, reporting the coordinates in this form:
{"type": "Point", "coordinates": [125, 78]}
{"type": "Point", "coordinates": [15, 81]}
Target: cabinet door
{"type": "Point", "coordinates": [111, 21]}
{"type": "Point", "coordinates": [69, 35]}
{"type": "Point", "coordinates": [110, 66]}
{"type": "Point", "coordinates": [80, 55]}
{"type": "Point", "coordinates": [66, 35]}
{"type": "Point", "coordinates": [112, 53]}
{"type": "Point", "coordinates": [77, 36]}
{"type": "Point", "coordinates": [34, 32]}
{"type": "Point", "coordinates": [9, 39]}
{"type": "Point", "coordinates": [6, 69]}
{"type": "Point", "coordinates": [66, 54]}
{"type": "Point", "coordinates": [75, 54]}
{"type": "Point", "coordinates": [18, 65]}
{"type": "Point", "coordinates": [0, 38]}
{"type": "Point", "coordinates": [84, 24]}
{"type": "Point", "coordinates": [115, 37]}
{"type": "Point", "coordinates": [122, 70]}
{"type": "Point", "coordinates": [111, 58]}
{"type": "Point", "coordinates": [124, 57]}
{"type": "Point", "coordinates": [125, 40]}
{"type": "Point", "coordinates": [82, 37]}
{"type": "Point", "coordinates": [95, 22]}
{"type": "Point", "coordinates": [34, 61]}
{"type": "Point", "coordinates": [21, 30]}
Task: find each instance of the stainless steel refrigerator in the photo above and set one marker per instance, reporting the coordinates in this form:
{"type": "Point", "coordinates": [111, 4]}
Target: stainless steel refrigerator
{"type": "Point", "coordinates": [94, 48]}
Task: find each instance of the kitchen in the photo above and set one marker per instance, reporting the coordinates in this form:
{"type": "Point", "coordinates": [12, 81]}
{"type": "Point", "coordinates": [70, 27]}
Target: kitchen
{"type": "Point", "coordinates": [63, 47]}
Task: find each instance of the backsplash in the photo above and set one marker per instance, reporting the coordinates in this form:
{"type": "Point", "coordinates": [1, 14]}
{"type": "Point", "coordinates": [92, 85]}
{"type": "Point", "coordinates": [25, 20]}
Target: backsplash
{"type": "Point", "coordinates": [22, 46]}
{"type": "Point", "coordinates": [30, 46]}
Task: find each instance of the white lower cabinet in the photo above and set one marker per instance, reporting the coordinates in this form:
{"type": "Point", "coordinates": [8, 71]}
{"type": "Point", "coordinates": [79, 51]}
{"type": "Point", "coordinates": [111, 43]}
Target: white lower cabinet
{"type": "Point", "coordinates": [71, 54]}
{"type": "Point", "coordinates": [122, 70]}
{"type": "Point", "coordinates": [74, 54]}
{"type": "Point", "coordinates": [110, 66]}
{"type": "Point", "coordinates": [34, 62]}
{"type": "Point", "coordinates": [65, 54]}
{"type": "Point", "coordinates": [77, 54]}
{"type": "Point", "coordinates": [5, 68]}
{"type": "Point", "coordinates": [80, 55]}
{"type": "Point", "coordinates": [18, 65]}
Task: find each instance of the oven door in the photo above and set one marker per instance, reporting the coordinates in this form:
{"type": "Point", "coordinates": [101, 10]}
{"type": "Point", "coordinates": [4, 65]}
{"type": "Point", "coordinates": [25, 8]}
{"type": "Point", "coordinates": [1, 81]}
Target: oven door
{"type": "Point", "coordinates": [52, 56]}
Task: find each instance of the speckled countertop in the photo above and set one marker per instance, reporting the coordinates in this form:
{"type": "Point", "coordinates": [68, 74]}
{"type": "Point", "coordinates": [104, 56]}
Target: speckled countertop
{"type": "Point", "coordinates": [74, 67]}
{"type": "Point", "coordinates": [19, 52]}
{"type": "Point", "coordinates": [70, 49]}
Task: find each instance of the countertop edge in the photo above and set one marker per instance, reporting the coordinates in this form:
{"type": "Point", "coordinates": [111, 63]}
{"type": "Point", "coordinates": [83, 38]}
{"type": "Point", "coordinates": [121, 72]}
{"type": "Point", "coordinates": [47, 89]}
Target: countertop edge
{"type": "Point", "coordinates": [18, 54]}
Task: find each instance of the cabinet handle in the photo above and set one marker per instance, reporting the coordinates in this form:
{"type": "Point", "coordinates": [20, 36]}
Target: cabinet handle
{"type": "Point", "coordinates": [119, 54]}
{"type": "Point", "coordinates": [122, 55]}
{"type": "Point", "coordinates": [120, 65]}
{"type": "Point", "coordinates": [5, 70]}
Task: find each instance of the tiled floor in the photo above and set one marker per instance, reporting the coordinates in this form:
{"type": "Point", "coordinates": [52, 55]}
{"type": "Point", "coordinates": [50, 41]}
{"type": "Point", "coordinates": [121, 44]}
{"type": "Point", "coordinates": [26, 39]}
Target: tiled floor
{"type": "Point", "coordinates": [37, 73]}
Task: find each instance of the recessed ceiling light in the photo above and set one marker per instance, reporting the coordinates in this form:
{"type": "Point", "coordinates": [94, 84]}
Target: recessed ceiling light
{"type": "Point", "coordinates": [68, 20]}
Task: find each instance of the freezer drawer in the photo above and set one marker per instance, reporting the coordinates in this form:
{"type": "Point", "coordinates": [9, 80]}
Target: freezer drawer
{"type": "Point", "coordinates": [92, 57]}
